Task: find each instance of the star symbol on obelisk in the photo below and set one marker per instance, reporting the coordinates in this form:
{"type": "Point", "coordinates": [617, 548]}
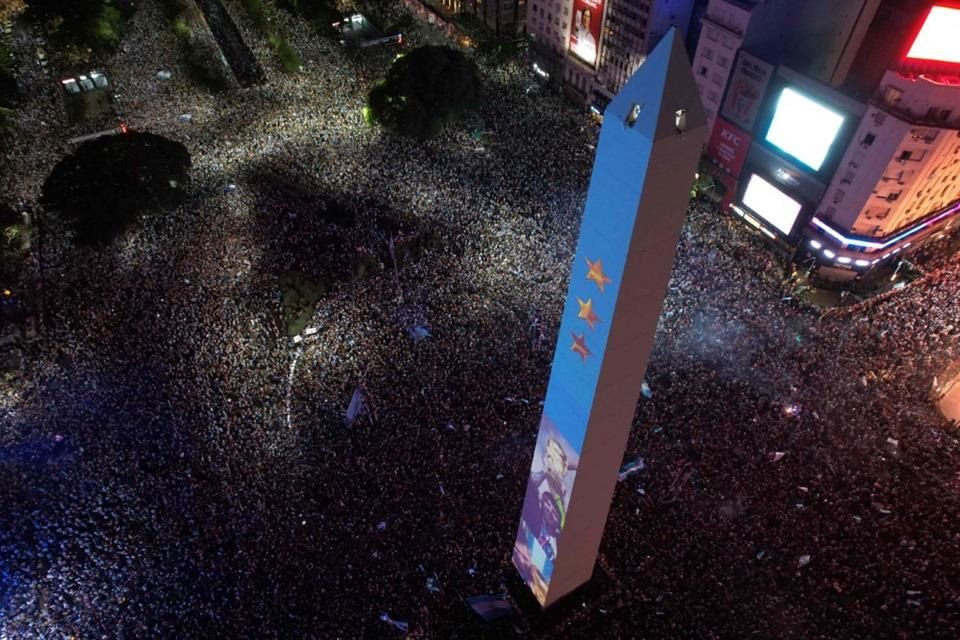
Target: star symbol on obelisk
{"type": "Point", "coordinates": [586, 313]}
{"type": "Point", "coordinates": [595, 273]}
{"type": "Point", "coordinates": [579, 346]}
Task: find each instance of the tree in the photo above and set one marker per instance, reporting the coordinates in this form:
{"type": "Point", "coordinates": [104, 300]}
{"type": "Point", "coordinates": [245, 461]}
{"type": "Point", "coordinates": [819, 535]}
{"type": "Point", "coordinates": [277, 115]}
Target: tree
{"type": "Point", "coordinates": [75, 11]}
{"type": "Point", "coordinates": [108, 182]}
{"type": "Point", "coordinates": [425, 90]}
{"type": "Point", "coordinates": [78, 23]}
{"type": "Point", "coordinates": [8, 90]}
{"type": "Point", "coordinates": [324, 11]}
{"type": "Point", "coordinates": [13, 234]}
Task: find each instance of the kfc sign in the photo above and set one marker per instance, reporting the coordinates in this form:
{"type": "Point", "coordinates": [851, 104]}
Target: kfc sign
{"type": "Point", "coordinates": [729, 136]}
{"type": "Point", "coordinates": [728, 147]}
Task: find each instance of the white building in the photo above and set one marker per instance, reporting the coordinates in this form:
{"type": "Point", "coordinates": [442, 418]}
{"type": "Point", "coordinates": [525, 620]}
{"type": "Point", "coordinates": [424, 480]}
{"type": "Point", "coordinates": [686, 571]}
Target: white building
{"type": "Point", "coordinates": [622, 33]}
{"type": "Point", "coordinates": [721, 36]}
{"type": "Point", "coordinates": [819, 38]}
{"type": "Point", "coordinates": [899, 178]}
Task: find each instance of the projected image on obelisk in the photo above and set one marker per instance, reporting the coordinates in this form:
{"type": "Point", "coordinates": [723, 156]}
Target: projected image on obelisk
{"type": "Point", "coordinates": [650, 144]}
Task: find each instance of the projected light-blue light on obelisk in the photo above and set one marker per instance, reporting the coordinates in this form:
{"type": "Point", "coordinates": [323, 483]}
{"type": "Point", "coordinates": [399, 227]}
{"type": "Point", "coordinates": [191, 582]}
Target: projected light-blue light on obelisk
{"type": "Point", "coordinates": [650, 143]}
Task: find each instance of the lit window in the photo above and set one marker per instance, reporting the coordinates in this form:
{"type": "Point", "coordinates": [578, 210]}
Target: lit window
{"type": "Point", "coordinates": [892, 95]}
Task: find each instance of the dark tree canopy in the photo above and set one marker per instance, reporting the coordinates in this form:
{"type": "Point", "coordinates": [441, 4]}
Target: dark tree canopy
{"type": "Point", "coordinates": [78, 11]}
{"type": "Point", "coordinates": [8, 89]}
{"type": "Point", "coordinates": [107, 182]}
{"type": "Point", "coordinates": [93, 23]}
{"type": "Point", "coordinates": [311, 9]}
{"type": "Point", "coordinates": [424, 90]}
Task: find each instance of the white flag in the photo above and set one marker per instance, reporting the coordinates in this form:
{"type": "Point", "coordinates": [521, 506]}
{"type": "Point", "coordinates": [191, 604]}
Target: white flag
{"type": "Point", "coordinates": [357, 408]}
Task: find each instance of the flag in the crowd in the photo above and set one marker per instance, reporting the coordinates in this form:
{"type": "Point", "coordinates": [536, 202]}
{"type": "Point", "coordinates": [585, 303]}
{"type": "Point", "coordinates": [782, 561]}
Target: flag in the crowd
{"type": "Point", "coordinates": [419, 332]}
{"type": "Point", "coordinates": [357, 408]}
{"type": "Point", "coordinates": [634, 466]}
{"type": "Point", "coordinates": [490, 607]}
{"type": "Point", "coordinates": [399, 625]}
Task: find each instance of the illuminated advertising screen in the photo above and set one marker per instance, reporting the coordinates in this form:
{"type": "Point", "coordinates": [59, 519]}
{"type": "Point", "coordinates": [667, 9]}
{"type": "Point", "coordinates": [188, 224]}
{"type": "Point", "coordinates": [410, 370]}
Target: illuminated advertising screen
{"type": "Point", "coordinates": [728, 147]}
{"type": "Point", "coordinates": [939, 37]}
{"type": "Point", "coordinates": [748, 85]}
{"type": "Point", "coordinates": [803, 128]}
{"type": "Point", "coordinates": [771, 204]}
{"type": "Point", "coordinates": [585, 30]}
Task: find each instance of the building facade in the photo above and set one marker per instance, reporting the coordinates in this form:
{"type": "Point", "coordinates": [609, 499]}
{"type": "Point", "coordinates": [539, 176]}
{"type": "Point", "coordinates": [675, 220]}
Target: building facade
{"type": "Point", "coordinates": [898, 182]}
{"type": "Point", "coordinates": [818, 38]}
{"type": "Point", "coordinates": [850, 157]}
{"type": "Point", "coordinates": [597, 44]}
{"type": "Point", "coordinates": [721, 36]}
{"type": "Point", "coordinates": [503, 17]}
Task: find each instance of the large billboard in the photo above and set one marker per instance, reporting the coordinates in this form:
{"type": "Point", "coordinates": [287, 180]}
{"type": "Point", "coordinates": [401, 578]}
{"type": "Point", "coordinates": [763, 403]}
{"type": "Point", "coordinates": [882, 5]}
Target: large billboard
{"type": "Point", "coordinates": [938, 41]}
{"type": "Point", "coordinates": [585, 30]}
{"type": "Point", "coordinates": [748, 84]}
{"type": "Point", "coordinates": [728, 147]}
{"type": "Point", "coordinates": [803, 127]}
{"type": "Point", "coordinates": [636, 204]}
{"type": "Point", "coordinates": [771, 204]}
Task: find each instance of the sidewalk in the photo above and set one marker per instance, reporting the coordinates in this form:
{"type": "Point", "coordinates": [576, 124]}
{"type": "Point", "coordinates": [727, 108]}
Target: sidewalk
{"type": "Point", "coordinates": [827, 297]}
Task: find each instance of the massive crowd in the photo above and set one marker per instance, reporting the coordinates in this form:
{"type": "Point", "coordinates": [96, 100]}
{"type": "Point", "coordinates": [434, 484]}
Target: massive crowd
{"type": "Point", "coordinates": [156, 482]}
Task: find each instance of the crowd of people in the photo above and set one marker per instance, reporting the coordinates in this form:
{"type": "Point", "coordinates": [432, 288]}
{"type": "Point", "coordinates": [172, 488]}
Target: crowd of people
{"type": "Point", "coordinates": [173, 465]}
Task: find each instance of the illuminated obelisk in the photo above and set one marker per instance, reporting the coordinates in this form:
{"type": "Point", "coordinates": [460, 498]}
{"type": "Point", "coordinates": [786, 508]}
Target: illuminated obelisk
{"type": "Point", "coordinates": [650, 142]}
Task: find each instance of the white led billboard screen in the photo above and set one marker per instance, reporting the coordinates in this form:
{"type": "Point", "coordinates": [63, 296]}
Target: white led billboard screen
{"type": "Point", "coordinates": [937, 39]}
{"type": "Point", "coordinates": [771, 204]}
{"type": "Point", "coordinates": [803, 128]}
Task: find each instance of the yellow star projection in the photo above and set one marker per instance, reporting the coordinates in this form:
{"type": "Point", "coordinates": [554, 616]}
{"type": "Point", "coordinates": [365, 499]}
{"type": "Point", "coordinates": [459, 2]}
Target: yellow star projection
{"type": "Point", "coordinates": [595, 273]}
{"type": "Point", "coordinates": [579, 347]}
{"type": "Point", "coordinates": [587, 313]}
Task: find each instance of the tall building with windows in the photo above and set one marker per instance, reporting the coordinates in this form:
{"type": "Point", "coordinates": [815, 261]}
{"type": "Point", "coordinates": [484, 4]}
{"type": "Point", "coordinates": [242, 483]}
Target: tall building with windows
{"type": "Point", "coordinates": [503, 17]}
{"type": "Point", "coordinates": [848, 156]}
{"type": "Point", "coordinates": [597, 44]}
{"type": "Point", "coordinates": [721, 36]}
{"type": "Point", "coordinates": [818, 38]}
{"type": "Point", "coordinates": [898, 182]}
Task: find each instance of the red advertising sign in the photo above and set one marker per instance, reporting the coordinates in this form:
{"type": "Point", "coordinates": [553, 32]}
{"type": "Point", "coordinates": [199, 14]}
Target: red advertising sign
{"type": "Point", "coordinates": [728, 147]}
{"type": "Point", "coordinates": [937, 39]}
{"type": "Point", "coordinates": [585, 29]}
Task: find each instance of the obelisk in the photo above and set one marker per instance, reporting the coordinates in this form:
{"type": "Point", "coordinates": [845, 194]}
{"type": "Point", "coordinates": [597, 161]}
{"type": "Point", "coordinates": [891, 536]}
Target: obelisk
{"type": "Point", "coordinates": [650, 143]}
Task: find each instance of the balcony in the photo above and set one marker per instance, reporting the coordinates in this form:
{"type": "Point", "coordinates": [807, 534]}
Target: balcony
{"type": "Point", "coordinates": [897, 109]}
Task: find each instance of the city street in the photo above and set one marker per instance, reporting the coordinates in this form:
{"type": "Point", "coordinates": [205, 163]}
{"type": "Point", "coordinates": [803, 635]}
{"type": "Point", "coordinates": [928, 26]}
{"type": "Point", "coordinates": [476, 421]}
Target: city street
{"type": "Point", "coordinates": [173, 466]}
